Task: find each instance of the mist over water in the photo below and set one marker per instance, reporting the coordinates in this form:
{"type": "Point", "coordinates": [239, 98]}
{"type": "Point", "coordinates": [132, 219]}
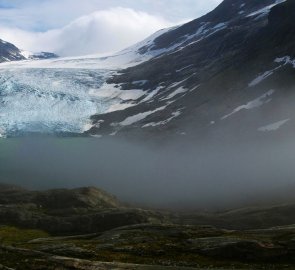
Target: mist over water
{"type": "Point", "coordinates": [192, 175]}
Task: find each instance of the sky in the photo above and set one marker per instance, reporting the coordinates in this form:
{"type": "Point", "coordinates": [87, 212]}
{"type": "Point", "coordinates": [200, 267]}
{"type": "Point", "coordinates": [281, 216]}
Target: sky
{"type": "Point", "coordinates": [81, 27]}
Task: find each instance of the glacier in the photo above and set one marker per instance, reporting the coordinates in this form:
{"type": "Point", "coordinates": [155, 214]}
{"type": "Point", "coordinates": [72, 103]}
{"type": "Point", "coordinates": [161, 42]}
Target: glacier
{"type": "Point", "coordinates": [60, 95]}
{"type": "Point", "coordinates": [50, 100]}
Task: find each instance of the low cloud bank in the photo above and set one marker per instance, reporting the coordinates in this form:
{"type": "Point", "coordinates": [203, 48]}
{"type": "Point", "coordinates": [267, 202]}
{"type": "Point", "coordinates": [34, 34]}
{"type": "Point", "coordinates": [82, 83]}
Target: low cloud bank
{"type": "Point", "coordinates": [189, 175]}
{"type": "Point", "coordinates": [101, 32]}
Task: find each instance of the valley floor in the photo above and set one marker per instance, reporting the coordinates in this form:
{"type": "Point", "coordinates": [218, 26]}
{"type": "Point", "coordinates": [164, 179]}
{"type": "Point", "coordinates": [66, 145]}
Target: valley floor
{"type": "Point", "coordinates": [151, 247]}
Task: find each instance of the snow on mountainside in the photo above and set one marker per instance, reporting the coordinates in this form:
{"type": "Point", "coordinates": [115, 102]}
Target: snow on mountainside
{"type": "Point", "coordinates": [213, 73]}
{"type": "Point", "coordinates": [38, 56]}
{"type": "Point", "coordinates": [9, 52]}
{"type": "Point", "coordinates": [227, 67]}
{"type": "Point", "coordinates": [126, 58]}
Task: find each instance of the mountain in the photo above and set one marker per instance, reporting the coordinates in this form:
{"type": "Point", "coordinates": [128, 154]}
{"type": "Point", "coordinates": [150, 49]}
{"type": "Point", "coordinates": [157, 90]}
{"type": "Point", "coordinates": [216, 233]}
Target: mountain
{"type": "Point", "coordinates": [9, 52]}
{"type": "Point", "coordinates": [38, 56]}
{"type": "Point", "coordinates": [234, 65]}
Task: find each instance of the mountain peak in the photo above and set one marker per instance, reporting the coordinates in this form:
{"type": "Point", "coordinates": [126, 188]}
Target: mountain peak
{"type": "Point", "coordinates": [9, 52]}
{"type": "Point", "coordinates": [229, 9]}
{"type": "Point", "coordinates": [229, 12]}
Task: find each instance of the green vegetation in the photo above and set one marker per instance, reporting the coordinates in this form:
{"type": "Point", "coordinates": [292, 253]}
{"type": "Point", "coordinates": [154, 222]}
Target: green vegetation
{"type": "Point", "coordinates": [16, 236]}
{"type": "Point", "coordinates": [151, 244]}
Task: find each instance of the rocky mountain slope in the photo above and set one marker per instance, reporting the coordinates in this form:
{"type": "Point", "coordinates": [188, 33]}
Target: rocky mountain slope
{"type": "Point", "coordinates": [234, 65]}
{"type": "Point", "coordinates": [9, 52]}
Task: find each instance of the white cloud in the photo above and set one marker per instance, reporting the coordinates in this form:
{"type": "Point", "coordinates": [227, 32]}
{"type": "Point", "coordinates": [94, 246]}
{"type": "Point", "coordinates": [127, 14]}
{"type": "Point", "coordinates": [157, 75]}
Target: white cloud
{"type": "Point", "coordinates": [50, 14]}
{"type": "Point", "coordinates": [103, 31]}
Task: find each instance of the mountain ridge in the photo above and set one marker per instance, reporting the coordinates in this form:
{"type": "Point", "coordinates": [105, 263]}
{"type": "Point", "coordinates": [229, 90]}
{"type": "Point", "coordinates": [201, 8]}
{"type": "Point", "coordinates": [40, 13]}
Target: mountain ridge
{"type": "Point", "coordinates": [230, 55]}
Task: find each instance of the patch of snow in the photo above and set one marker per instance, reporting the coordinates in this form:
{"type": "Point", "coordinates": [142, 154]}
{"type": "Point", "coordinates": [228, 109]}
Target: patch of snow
{"type": "Point", "coordinates": [265, 11]}
{"type": "Point", "coordinates": [261, 78]}
{"type": "Point", "coordinates": [155, 124]}
{"type": "Point", "coordinates": [176, 84]}
{"type": "Point", "coordinates": [138, 117]}
{"type": "Point", "coordinates": [87, 126]}
{"type": "Point", "coordinates": [274, 126]}
{"type": "Point", "coordinates": [220, 26]}
{"type": "Point", "coordinates": [117, 98]}
{"type": "Point", "coordinates": [203, 32]}
{"type": "Point", "coordinates": [252, 104]}
{"type": "Point", "coordinates": [110, 91]}
{"type": "Point", "coordinates": [178, 91]}
{"type": "Point", "coordinates": [140, 83]}
{"type": "Point", "coordinates": [97, 125]}
{"type": "Point", "coordinates": [286, 60]}
{"type": "Point", "coordinates": [119, 107]}
{"type": "Point", "coordinates": [195, 88]}
{"type": "Point", "coordinates": [184, 68]}
{"type": "Point", "coordinates": [26, 54]}
{"type": "Point", "coordinates": [152, 94]}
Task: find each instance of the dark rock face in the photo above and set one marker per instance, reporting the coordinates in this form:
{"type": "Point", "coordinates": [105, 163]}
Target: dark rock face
{"type": "Point", "coordinates": [8, 52]}
{"type": "Point", "coordinates": [43, 55]}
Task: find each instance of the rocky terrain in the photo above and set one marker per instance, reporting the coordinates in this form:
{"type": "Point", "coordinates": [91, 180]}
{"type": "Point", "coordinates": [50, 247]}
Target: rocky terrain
{"type": "Point", "coordinates": [234, 65]}
{"type": "Point", "coordinates": [9, 52]}
{"type": "Point", "coordinates": [87, 228]}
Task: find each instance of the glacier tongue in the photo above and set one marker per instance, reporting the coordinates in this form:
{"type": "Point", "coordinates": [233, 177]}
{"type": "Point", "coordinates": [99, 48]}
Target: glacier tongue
{"type": "Point", "coordinates": [50, 100]}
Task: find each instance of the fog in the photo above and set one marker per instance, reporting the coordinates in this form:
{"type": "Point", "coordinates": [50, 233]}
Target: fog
{"type": "Point", "coordinates": [179, 175]}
